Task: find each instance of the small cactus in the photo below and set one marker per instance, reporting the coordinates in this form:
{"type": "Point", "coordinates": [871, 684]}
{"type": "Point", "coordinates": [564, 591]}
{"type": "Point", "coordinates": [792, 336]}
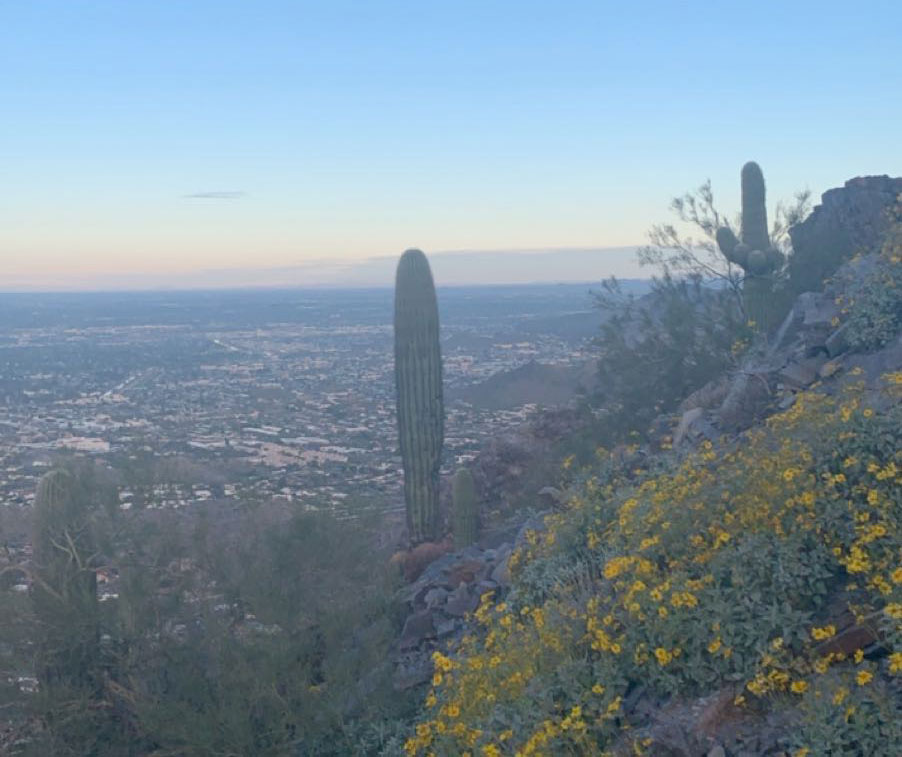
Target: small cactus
{"type": "Point", "coordinates": [418, 381]}
{"type": "Point", "coordinates": [464, 509]}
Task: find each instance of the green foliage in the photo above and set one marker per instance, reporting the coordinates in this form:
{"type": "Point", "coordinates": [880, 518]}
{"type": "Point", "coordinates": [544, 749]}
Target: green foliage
{"type": "Point", "coordinates": [726, 568]}
{"type": "Point", "coordinates": [241, 630]}
{"type": "Point", "coordinates": [655, 351]}
{"type": "Point", "coordinates": [464, 509]}
{"type": "Point", "coordinates": [840, 717]}
{"type": "Point", "coordinates": [279, 648]}
{"type": "Point", "coordinates": [418, 381]}
{"type": "Point", "coordinates": [872, 306]}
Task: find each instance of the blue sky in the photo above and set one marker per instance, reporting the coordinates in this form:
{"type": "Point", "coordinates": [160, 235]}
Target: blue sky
{"type": "Point", "coordinates": [357, 129]}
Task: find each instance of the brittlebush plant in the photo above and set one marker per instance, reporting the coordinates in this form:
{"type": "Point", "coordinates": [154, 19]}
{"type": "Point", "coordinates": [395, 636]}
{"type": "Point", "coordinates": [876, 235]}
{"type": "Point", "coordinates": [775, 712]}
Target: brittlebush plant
{"type": "Point", "coordinates": [871, 307]}
{"type": "Point", "coordinates": [715, 571]}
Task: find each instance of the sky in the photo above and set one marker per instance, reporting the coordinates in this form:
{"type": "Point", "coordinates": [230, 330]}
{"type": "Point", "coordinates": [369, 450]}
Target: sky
{"type": "Point", "coordinates": [152, 142]}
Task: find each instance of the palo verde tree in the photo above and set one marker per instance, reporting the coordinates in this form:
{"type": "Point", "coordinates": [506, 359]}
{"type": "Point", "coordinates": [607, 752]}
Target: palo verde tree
{"type": "Point", "coordinates": [418, 382]}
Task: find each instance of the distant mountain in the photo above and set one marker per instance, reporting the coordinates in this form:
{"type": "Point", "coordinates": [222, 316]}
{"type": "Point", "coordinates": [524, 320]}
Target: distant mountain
{"type": "Point", "coordinates": [465, 267]}
{"type": "Point", "coordinates": [532, 383]}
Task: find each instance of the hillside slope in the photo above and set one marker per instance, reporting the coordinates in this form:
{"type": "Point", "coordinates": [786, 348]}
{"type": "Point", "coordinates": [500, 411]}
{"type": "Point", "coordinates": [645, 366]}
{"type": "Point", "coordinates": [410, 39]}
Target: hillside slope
{"type": "Point", "coordinates": [738, 594]}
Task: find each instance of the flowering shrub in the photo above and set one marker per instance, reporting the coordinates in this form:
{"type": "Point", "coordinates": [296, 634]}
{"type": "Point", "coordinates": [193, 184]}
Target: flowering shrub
{"type": "Point", "coordinates": [872, 308]}
{"type": "Point", "coordinates": [714, 571]}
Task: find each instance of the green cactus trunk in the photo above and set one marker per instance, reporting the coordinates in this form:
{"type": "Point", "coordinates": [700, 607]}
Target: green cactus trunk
{"type": "Point", "coordinates": [418, 382]}
{"type": "Point", "coordinates": [760, 302]}
{"type": "Point", "coordinates": [464, 510]}
{"type": "Point", "coordinates": [754, 208]}
{"type": "Point", "coordinates": [64, 592]}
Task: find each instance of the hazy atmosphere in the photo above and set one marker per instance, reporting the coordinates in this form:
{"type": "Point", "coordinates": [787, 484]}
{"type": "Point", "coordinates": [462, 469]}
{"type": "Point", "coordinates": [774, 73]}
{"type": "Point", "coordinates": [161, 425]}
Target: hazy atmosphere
{"type": "Point", "coordinates": [394, 379]}
{"type": "Point", "coordinates": [146, 143]}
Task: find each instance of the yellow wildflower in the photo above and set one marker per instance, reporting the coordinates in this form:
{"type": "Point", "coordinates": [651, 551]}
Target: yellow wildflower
{"type": "Point", "coordinates": [819, 634]}
{"type": "Point", "coordinates": [663, 656]}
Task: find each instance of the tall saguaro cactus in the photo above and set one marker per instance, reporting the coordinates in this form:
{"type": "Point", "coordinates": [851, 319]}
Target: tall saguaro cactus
{"type": "Point", "coordinates": [64, 591]}
{"type": "Point", "coordinates": [418, 381]}
{"type": "Point", "coordinates": [753, 252]}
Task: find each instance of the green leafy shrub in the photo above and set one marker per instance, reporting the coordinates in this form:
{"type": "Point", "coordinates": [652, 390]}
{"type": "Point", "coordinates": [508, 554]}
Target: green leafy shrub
{"type": "Point", "coordinates": [840, 715]}
{"type": "Point", "coordinates": [872, 307]}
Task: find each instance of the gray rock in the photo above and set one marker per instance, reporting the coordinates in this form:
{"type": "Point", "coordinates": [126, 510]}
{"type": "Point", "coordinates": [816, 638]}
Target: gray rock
{"type": "Point", "coordinates": [412, 670]}
{"type": "Point", "coordinates": [838, 341]}
{"type": "Point", "coordinates": [717, 751]}
{"type": "Point", "coordinates": [816, 309]}
{"type": "Point", "coordinates": [435, 597]}
{"type": "Point", "coordinates": [417, 629]}
{"type": "Point", "coordinates": [447, 628]}
{"type": "Point", "coordinates": [787, 402]}
{"type": "Point", "coordinates": [501, 575]}
{"type": "Point", "coordinates": [830, 368]}
{"type": "Point", "coordinates": [682, 430]}
{"type": "Point", "coordinates": [850, 219]}
{"type": "Point", "coordinates": [708, 397]}
{"type": "Point", "coordinates": [460, 602]}
{"type": "Point", "coordinates": [551, 496]}
{"type": "Point", "coordinates": [750, 392]}
{"type": "Point", "coordinates": [802, 373]}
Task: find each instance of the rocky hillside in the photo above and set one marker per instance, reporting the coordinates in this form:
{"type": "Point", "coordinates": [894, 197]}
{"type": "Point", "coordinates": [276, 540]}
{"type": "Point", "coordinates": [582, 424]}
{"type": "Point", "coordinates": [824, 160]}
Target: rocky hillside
{"type": "Point", "coordinates": [733, 587]}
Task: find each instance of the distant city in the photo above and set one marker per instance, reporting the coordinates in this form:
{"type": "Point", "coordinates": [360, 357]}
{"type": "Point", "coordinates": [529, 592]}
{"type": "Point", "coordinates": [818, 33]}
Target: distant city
{"type": "Point", "coordinates": [193, 396]}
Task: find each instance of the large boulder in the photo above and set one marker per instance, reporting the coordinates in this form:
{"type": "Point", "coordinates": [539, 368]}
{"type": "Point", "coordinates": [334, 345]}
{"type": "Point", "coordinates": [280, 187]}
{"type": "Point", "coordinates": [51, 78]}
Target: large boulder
{"type": "Point", "coordinates": [850, 219]}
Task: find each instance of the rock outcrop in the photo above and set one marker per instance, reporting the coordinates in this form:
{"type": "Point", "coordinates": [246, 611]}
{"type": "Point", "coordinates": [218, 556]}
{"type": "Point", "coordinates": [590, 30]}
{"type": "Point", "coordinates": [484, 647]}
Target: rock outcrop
{"type": "Point", "coordinates": [850, 219]}
{"type": "Point", "coordinates": [438, 603]}
{"type": "Point", "coordinates": [810, 347]}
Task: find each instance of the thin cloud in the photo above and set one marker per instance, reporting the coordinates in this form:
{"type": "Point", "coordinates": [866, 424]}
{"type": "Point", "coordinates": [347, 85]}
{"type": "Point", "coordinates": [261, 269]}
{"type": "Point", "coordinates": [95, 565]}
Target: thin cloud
{"type": "Point", "coordinates": [215, 196]}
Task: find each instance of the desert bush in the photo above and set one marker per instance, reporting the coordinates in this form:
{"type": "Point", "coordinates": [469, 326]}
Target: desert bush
{"type": "Point", "coordinates": [279, 647]}
{"type": "Point", "coordinates": [715, 572]}
{"type": "Point", "coordinates": [872, 305]}
{"type": "Point", "coordinates": [654, 351]}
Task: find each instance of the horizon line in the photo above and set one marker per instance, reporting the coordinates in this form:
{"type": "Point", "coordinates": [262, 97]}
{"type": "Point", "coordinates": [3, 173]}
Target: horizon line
{"type": "Point", "coordinates": [309, 287]}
